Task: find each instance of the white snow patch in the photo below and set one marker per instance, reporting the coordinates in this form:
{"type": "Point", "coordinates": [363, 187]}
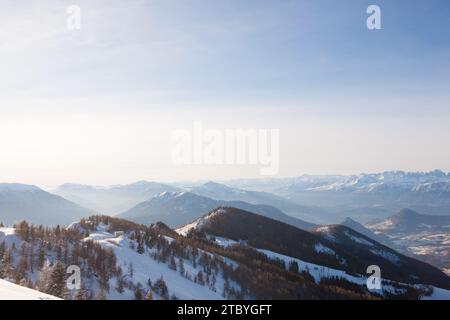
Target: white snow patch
{"type": "Point", "coordinates": [386, 255]}
{"type": "Point", "coordinates": [11, 291]}
{"type": "Point", "coordinates": [358, 239]}
{"type": "Point", "coordinates": [197, 224]}
{"type": "Point", "coordinates": [145, 268]}
{"type": "Point", "coordinates": [438, 294]}
{"type": "Point", "coordinates": [320, 248]}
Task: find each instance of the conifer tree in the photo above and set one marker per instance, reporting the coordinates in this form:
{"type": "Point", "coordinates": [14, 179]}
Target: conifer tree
{"type": "Point", "coordinates": [293, 266]}
{"type": "Point", "coordinates": [172, 263]}
{"type": "Point", "coordinates": [57, 284]}
{"type": "Point", "coordinates": [138, 294]}
{"type": "Point", "coordinates": [181, 266]}
{"type": "Point", "coordinates": [80, 294]}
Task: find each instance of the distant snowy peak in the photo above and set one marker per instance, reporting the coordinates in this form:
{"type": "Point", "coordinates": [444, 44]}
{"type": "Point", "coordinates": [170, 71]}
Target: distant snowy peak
{"type": "Point", "coordinates": [180, 197]}
{"type": "Point", "coordinates": [169, 195]}
{"type": "Point", "coordinates": [432, 187]}
{"type": "Point", "coordinates": [378, 182]}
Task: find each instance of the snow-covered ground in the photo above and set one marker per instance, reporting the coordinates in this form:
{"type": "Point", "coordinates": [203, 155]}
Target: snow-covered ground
{"type": "Point", "coordinates": [145, 268]}
{"type": "Point", "coordinates": [197, 224]}
{"type": "Point", "coordinates": [438, 294]}
{"type": "Point", "coordinates": [319, 272]}
{"type": "Point", "coordinates": [11, 291]}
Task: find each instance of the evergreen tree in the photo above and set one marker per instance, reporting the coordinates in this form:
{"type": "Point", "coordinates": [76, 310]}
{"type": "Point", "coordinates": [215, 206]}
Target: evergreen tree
{"type": "Point", "coordinates": [41, 256]}
{"type": "Point", "coordinates": [140, 247]}
{"type": "Point", "coordinates": [200, 278]}
{"type": "Point", "coordinates": [21, 269]}
{"type": "Point", "coordinates": [293, 266]}
{"type": "Point", "coordinates": [172, 263]}
{"type": "Point", "coordinates": [161, 289]}
{"type": "Point", "coordinates": [131, 270]}
{"type": "Point", "coordinates": [138, 294]}
{"type": "Point", "coordinates": [181, 266]}
{"type": "Point", "coordinates": [44, 277]}
{"type": "Point", "coordinates": [80, 294]}
{"type": "Point", "coordinates": [120, 284]}
{"type": "Point", "coordinates": [57, 284]}
{"type": "Point", "coordinates": [7, 264]}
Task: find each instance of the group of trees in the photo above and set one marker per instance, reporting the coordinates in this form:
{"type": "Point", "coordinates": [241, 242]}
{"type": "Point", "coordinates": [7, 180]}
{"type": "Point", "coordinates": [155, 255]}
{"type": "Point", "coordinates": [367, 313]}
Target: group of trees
{"type": "Point", "coordinates": [243, 271]}
{"type": "Point", "coordinates": [48, 252]}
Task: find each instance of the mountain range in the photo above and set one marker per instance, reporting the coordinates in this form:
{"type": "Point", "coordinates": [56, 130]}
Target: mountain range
{"type": "Point", "coordinates": [228, 253]}
{"type": "Point", "coordinates": [318, 199]}
{"type": "Point", "coordinates": [113, 199]}
{"type": "Point", "coordinates": [178, 208]}
{"type": "Point", "coordinates": [363, 197]}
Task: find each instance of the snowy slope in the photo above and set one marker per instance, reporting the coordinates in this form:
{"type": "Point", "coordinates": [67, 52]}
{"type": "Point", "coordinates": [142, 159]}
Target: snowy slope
{"type": "Point", "coordinates": [319, 272]}
{"type": "Point", "coordinates": [11, 291]}
{"type": "Point", "coordinates": [145, 267]}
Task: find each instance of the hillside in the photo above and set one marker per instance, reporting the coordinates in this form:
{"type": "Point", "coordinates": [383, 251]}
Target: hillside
{"type": "Point", "coordinates": [334, 246]}
{"type": "Point", "coordinates": [123, 260]}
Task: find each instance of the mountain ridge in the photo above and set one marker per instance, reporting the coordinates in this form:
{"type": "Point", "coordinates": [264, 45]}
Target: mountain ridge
{"type": "Point", "coordinates": [342, 247]}
{"type": "Point", "coordinates": [28, 202]}
{"type": "Point", "coordinates": [178, 208]}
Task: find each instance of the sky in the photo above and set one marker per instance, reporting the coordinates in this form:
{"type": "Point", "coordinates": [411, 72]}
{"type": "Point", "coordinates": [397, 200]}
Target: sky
{"type": "Point", "coordinates": [99, 105]}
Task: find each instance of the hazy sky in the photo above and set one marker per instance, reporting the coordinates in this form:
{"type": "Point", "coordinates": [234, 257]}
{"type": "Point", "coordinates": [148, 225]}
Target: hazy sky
{"type": "Point", "coordinates": [98, 105]}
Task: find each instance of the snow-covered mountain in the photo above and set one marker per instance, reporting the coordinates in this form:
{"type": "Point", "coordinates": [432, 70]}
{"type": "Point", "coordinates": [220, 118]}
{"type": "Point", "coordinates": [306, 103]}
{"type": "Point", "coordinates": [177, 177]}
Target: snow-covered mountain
{"type": "Point", "coordinates": [118, 260]}
{"type": "Point", "coordinates": [178, 208]}
{"type": "Point", "coordinates": [227, 254]}
{"type": "Point", "coordinates": [220, 191]}
{"type": "Point", "coordinates": [26, 202]}
{"type": "Point", "coordinates": [432, 181]}
{"type": "Point", "coordinates": [114, 199]}
{"type": "Point", "coordinates": [364, 197]}
{"type": "Point", "coordinates": [330, 251]}
{"type": "Point", "coordinates": [11, 291]}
